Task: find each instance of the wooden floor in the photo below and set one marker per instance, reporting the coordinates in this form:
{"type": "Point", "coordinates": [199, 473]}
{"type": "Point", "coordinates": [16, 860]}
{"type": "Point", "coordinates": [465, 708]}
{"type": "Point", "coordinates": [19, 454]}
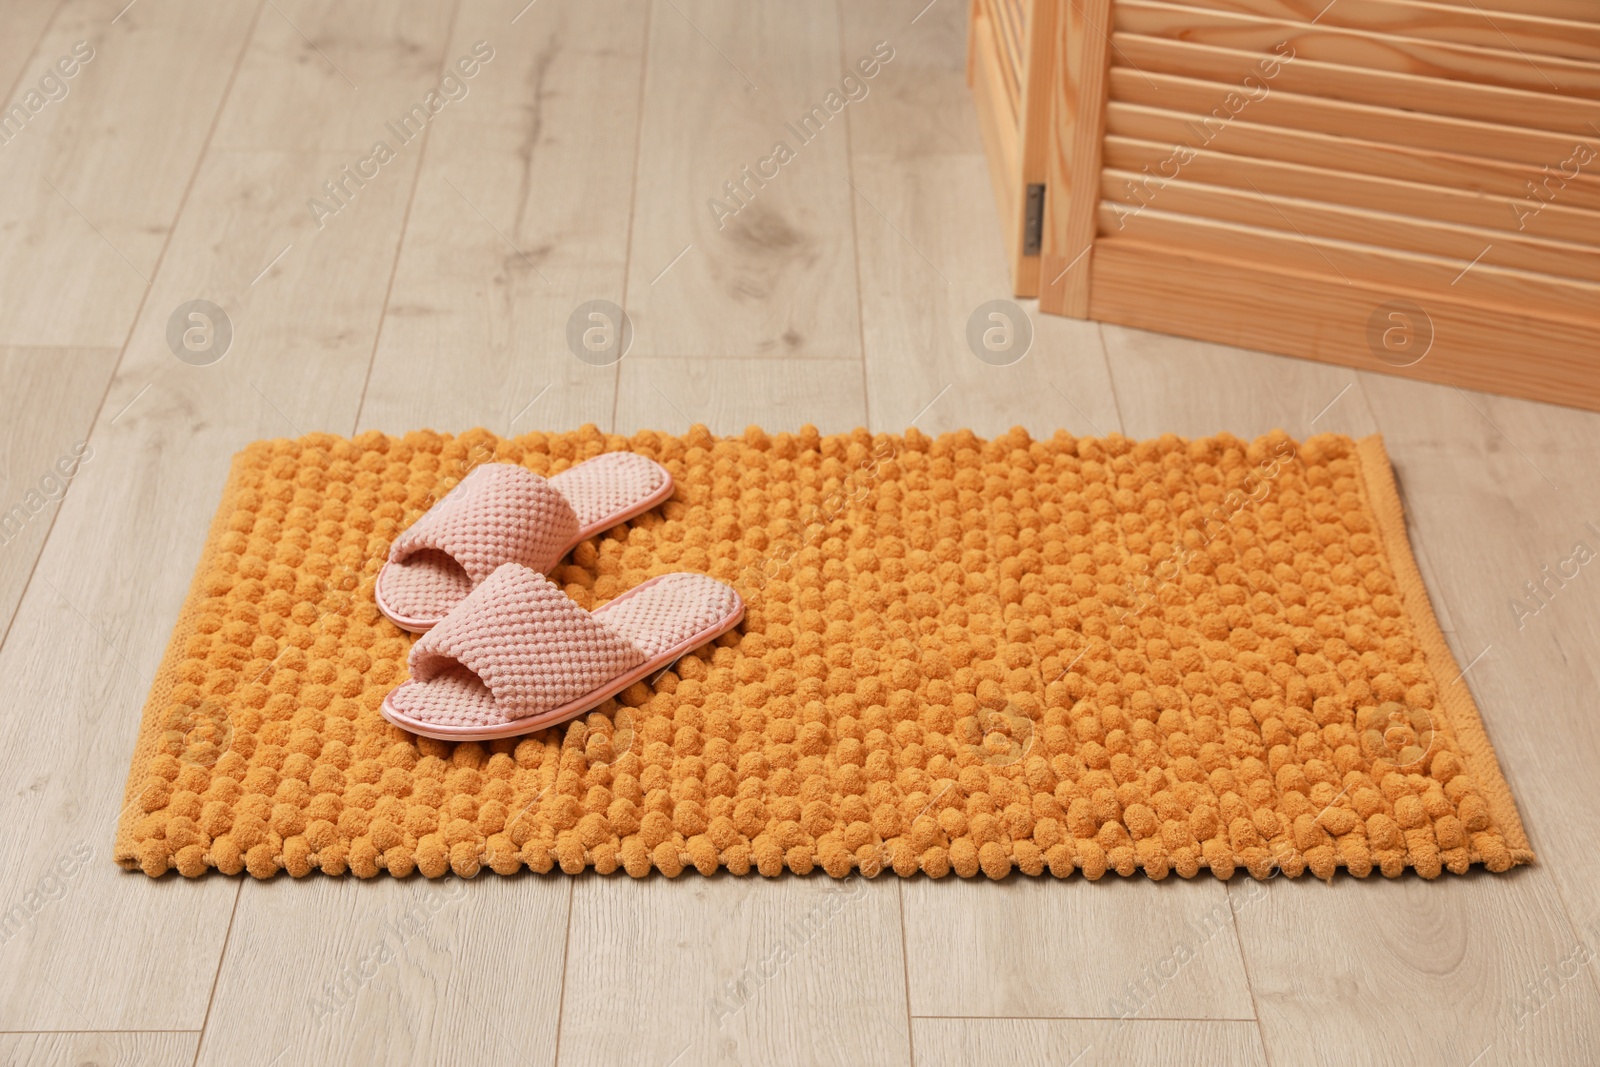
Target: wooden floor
{"type": "Point", "coordinates": [579, 166]}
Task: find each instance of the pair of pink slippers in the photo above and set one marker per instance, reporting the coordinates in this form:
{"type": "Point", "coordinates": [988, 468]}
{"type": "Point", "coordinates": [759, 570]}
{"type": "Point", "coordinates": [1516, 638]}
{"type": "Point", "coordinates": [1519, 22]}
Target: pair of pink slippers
{"type": "Point", "coordinates": [504, 651]}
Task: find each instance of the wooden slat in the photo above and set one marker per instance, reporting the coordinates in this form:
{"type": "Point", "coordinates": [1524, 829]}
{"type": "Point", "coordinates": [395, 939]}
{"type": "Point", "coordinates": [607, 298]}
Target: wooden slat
{"type": "Point", "coordinates": [1348, 154]}
{"type": "Point", "coordinates": [1373, 191]}
{"type": "Point", "coordinates": [1008, 51]}
{"type": "Point", "coordinates": [1079, 121]}
{"type": "Point", "coordinates": [1274, 308]}
{"type": "Point", "coordinates": [1121, 212]}
{"type": "Point", "coordinates": [1426, 96]}
{"type": "Point", "coordinates": [1370, 122]}
{"type": "Point", "coordinates": [1349, 263]}
{"type": "Point", "coordinates": [1574, 10]}
{"type": "Point", "coordinates": [1363, 50]}
{"type": "Point", "coordinates": [1523, 30]}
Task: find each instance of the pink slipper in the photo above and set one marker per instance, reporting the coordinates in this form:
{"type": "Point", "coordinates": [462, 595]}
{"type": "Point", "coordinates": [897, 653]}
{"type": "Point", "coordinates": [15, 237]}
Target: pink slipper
{"type": "Point", "coordinates": [518, 655]}
{"type": "Point", "coordinates": [503, 513]}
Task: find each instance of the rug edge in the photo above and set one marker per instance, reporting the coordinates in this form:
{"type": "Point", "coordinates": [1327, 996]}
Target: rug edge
{"type": "Point", "coordinates": [1383, 494]}
{"type": "Point", "coordinates": [124, 851]}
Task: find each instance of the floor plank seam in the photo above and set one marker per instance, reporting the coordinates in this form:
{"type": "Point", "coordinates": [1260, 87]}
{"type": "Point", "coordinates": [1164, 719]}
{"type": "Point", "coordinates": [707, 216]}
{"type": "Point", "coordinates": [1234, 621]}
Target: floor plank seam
{"type": "Point", "coordinates": [566, 954]}
{"type": "Point", "coordinates": [855, 247]}
{"type": "Point", "coordinates": [1084, 1019]}
{"type": "Point", "coordinates": [216, 978]}
{"type": "Point", "coordinates": [138, 312]}
{"type": "Point", "coordinates": [1244, 962]}
{"type": "Point", "coordinates": [633, 194]}
{"type": "Point", "coordinates": [49, 1033]}
{"type": "Point", "coordinates": [405, 226]}
{"type": "Point", "coordinates": [1111, 375]}
{"type": "Point", "coordinates": [905, 972]}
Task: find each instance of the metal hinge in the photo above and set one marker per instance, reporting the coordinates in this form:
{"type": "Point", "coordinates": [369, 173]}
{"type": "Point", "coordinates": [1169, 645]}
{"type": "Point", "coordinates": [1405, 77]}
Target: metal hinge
{"type": "Point", "coordinates": [1033, 220]}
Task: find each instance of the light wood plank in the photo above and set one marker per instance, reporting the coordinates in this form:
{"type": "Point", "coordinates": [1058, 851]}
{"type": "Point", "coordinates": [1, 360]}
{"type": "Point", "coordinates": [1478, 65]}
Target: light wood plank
{"type": "Point", "coordinates": [90, 189]}
{"type": "Point", "coordinates": [919, 104]}
{"type": "Point", "coordinates": [777, 277]}
{"type": "Point", "coordinates": [1002, 140]}
{"type": "Point", "coordinates": [397, 969]}
{"type": "Point", "coordinates": [170, 1049]}
{"type": "Point", "coordinates": [923, 274]}
{"type": "Point", "coordinates": [520, 216]}
{"type": "Point", "coordinates": [26, 23]}
{"type": "Point", "coordinates": [725, 970]}
{"type": "Point", "coordinates": [928, 266]}
{"type": "Point", "coordinates": [391, 971]}
{"type": "Point", "coordinates": [1004, 1042]}
{"type": "Point", "coordinates": [1573, 10]}
{"type": "Point", "coordinates": [729, 395]}
{"type": "Point", "coordinates": [1016, 125]}
{"type": "Point", "coordinates": [1227, 390]}
{"type": "Point", "coordinates": [1159, 949]}
{"type": "Point", "coordinates": [931, 256]}
{"type": "Point", "coordinates": [45, 416]}
{"type": "Point", "coordinates": [337, 77]}
{"type": "Point", "coordinates": [87, 639]}
{"type": "Point", "coordinates": [1416, 971]}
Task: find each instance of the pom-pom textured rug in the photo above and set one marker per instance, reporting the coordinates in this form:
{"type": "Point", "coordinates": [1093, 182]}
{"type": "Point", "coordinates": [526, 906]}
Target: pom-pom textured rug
{"type": "Point", "coordinates": [960, 656]}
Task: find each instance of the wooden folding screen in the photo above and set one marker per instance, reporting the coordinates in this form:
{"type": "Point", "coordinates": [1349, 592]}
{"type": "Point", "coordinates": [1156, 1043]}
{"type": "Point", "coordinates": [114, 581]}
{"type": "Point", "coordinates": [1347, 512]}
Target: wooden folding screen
{"type": "Point", "coordinates": [1008, 67]}
{"type": "Point", "coordinates": [1404, 186]}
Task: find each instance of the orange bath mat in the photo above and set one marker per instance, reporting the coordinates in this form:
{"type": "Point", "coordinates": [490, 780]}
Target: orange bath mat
{"type": "Point", "coordinates": [960, 656]}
